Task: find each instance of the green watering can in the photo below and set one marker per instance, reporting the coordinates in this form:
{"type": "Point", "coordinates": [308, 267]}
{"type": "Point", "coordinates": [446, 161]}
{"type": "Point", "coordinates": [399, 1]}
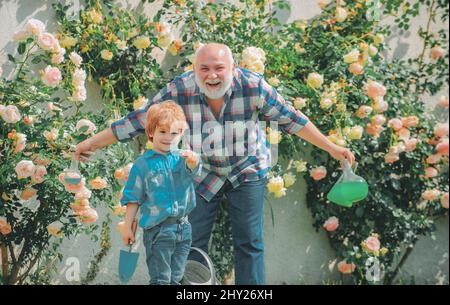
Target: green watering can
{"type": "Point", "coordinates": [349, 189]}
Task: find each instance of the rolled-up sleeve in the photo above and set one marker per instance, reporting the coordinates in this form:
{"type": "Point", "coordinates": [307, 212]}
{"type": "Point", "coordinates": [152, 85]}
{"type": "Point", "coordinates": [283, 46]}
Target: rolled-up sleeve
{"type": "Point", "coordinates": [134, 123]}
{"type": "Point", "coordinates": [134, 188]}
{"type": "Point", "coordinates": [275, 108]}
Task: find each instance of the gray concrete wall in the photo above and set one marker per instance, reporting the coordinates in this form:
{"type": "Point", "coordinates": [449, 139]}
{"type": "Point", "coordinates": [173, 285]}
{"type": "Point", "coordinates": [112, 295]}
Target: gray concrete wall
{"type": "Point", "coordinates": [295, 252]}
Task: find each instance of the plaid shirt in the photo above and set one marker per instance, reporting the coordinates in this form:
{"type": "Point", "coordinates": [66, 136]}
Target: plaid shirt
{"type": "Point", "coordinates": [249, 97]}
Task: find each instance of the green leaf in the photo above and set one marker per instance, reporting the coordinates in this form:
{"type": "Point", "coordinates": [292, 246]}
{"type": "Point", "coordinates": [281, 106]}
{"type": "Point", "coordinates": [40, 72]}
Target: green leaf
{"type": "Point", "coordinates": [11, 58]}
{"type": "Point", "coordinates": [22, 47]}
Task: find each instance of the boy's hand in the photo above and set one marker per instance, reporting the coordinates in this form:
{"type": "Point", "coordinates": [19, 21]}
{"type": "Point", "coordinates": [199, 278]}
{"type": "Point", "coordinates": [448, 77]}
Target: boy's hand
{"type": "Point", "coordinates": [128, 232]}
{"type": "Point", "coordinates": [192, 158]}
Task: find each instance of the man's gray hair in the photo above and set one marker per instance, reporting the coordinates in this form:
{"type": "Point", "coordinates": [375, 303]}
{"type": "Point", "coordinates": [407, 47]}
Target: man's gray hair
{"type": "Point", "coordinates": [227, 49]}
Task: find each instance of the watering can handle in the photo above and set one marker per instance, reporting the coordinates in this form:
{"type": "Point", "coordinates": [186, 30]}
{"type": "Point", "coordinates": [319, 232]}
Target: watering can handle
{"type": "Point", "coordinates": [208, 261]}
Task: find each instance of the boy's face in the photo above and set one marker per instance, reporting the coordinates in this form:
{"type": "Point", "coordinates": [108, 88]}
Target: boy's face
{"type": "Point", "coordinates": [166, 138]}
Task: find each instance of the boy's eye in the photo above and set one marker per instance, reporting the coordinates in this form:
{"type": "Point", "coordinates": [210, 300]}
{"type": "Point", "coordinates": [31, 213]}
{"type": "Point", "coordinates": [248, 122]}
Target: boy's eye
{"type": "Point", "coordinates": [174, 133]}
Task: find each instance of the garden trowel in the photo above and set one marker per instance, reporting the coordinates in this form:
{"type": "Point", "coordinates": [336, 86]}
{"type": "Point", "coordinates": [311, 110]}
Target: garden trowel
{"type": "Point", "coordinates": [128, 260]}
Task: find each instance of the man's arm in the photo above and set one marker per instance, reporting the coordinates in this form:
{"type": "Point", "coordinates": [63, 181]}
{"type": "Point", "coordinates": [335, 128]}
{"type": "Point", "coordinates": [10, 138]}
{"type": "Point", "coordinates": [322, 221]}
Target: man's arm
{"type": "Point", "coordinates": [121, 130]}
{"type": "Point", "coordinates": [311, 134]}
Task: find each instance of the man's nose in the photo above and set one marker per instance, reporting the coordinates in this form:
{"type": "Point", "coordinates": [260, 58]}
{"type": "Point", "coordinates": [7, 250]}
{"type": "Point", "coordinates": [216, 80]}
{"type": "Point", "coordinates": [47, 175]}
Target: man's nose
{"type": "Point", "coordinates": [213, 75]}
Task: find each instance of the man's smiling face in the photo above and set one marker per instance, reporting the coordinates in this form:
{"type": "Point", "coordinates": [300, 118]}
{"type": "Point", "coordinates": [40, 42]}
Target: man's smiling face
{"type": "Point", "coordinates": [213, 69]}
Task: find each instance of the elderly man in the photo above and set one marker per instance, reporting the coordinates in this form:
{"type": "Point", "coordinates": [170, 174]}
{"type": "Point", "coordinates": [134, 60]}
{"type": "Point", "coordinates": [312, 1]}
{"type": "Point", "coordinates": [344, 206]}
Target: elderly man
{"type": "Point", "coordinates": [215, 93]}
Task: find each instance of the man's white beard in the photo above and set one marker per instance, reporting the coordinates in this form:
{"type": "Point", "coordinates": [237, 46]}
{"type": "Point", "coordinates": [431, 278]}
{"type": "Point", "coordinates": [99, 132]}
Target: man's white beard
{"type": "Point", "coordinates": [216, 94]}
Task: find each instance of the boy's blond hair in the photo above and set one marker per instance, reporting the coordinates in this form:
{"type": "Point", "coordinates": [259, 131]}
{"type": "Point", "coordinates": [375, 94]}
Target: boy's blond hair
{"type": "Point", "coordinates": [166, 114]}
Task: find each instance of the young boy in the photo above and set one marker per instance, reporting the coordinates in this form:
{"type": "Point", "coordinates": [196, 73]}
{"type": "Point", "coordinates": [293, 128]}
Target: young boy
{"type": "Point", "coordinates": [161, 185]}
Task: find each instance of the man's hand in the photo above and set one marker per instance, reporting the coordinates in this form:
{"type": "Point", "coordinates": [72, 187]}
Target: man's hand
{"type": "Point", "coordinates": [192, 159]}
{"type": "Point", "coordinates": [341, 153]}
{"type": "Point", "coordinates": [84, 150]}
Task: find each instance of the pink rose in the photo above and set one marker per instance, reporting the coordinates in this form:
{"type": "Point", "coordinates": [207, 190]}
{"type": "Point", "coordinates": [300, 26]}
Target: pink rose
{"type": "Point", "coordinates": [10, 114]}
{"type": "Point", "coordinates": [20, 35]}
{"type": "Point", "coordinates": [25, 169]}
{"type": "Point", "coordinates": [331, 224]}
{"type": "Point", "coordinates": [47, 41]}
{"type": "Point", "coordinates": [442, 147]}
{"type": "Point", "coordinates": [318, 173]}
{"type": "Point", "coordinates": [34, 27]}
{"type": "Point", "coordinates": [372, 244]}
{"type": "Point", "coordinates": [441, 130]}
{"type": "Point", "coordinates": [443, 102]}
{"type": "Point", "coordinates": [86, 123]}
{"type": "Point", "coordinates": [58, 57]}
{"type": "Point", "coordinates": [410, 121]}
{"type": "Point", "coordinates": [345, 268]}
{"type": "Point", "coordinates": [430, 195]}
{"type": "Point", "coordinates": [411, 144]}
{"type": "Point", "coordinates": [79, 94]}
{"type": "Point", "coordinates": [395, 124]}
{"type": "Point", "coordinates": [76, 59]}
{"type": "Point", "coordinates": [431, 172]}
{"type": "Point", "coordinates": [51, 76]}
{"type": "Point", "coordinates": [375, 89]}
{"type": "Point", "coordinates": [397, 149]}
{"type": "Point", "coordinates": [444, 201]}
{"type": "Point", "coordinates": [437, 52]}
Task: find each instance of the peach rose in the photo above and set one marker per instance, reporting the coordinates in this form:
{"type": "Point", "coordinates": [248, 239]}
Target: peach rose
{"type": "Point", "coordinates": [363, 111]}
{"type": "Point", "coordinates": [25, 169]}
{"type": "Point", "coordinates": [443, 102]}
{"type": "Point", "coordinates": [411, 144]}
{"type": "Point", "coordinates": [442, 147]}
{"type": "Point", "coordinates": [391, 158]}
{"type": "Point", "coordinates": [98, 183]}
{"type": "Point", "coordinates": [84, 193]}
{"type": "Point", "coordinates": [431, 172]}
{"type": "Point", "coordinates": [318, 173]}
{"type": "Point", "coordinates": [78, 77]}
{"type": "Point", "coordinates": [315, 80]}
{"type": "Point", "coordinates": [20, 35]}
{"type": "Point", "coordinates": [374, 130]}
{"type": "Point", "coordinates": [119, 174]}
{"type": "Point", "coordinates": [28, 193]}
{"type": "Point", "coordinates": [80, 205]}
{"type": "Point", "coordinates": [378, 120]}
{"type": "Point", "coordinates": [431, 195]}
{"type": "Point", "coordinates": [395, 124]}
{"type": "Point", "coordinates": [356, 69]}
{"type": "Point", "coordinates": [433, 159]}
{"type": "Point", "coordinates": [410, 121]}
{"type": "Point", "coordinates": [88, 215]}
{"type": "Point", "coordinates": [345, 268]}
{"type": "Point", "coordinates": [441, 130]}
{"type": "Point", "coordinates": [444, 201]}
{"type": "Point", "coordinates": [372, 244]}
{"type": "Point", "coordinates": [331, 224]}
{"type": "Point", "coordinates": [404, 133]}
{"type": "Point", "coordinates": [380, 105]}
{"type": "Point", "coordinates": [38, 176]}
{"type": "Point", "coordinates": [437, 52]}
{"type": "Point", "coordinates": [397, 149]}
{"type": "Point", "coordinates": [126, 171]}
{"type": "Point", "coordinates": [51, 76]}
{"type": "Point", "coordinates": [10, 114]}
{"type": "Point", "coordinates": [375, 89]}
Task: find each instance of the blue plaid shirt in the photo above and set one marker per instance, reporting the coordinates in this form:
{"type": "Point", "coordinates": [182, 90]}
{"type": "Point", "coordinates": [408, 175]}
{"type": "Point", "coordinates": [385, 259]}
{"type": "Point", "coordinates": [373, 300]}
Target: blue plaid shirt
{"type": "Point", "coordinates": [249, 97]}
{"type": "Point", "coordinates": [162, 186]}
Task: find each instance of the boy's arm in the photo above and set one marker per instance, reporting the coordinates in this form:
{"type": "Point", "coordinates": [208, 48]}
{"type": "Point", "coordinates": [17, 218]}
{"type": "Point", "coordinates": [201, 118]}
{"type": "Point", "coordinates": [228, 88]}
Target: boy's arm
{"type": "Point", "coordinates": [193, 162]}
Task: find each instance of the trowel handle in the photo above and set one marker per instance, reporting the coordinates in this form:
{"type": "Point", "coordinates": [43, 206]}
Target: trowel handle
{"type": "Point", "coordinates": [133, 229]}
